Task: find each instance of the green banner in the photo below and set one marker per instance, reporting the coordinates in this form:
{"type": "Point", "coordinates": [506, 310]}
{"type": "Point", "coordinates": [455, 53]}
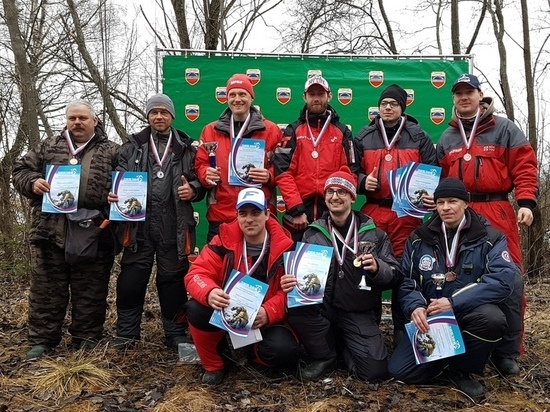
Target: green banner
{"type": "Point", "coordinates": [196, 84]}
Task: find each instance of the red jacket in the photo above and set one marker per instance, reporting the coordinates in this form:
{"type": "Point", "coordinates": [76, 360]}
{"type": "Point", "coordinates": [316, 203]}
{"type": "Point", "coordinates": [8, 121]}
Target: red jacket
{"type": "Point", "coordinates": [223, 254]}
{"type": "Point", "coordinates": [221, 200]}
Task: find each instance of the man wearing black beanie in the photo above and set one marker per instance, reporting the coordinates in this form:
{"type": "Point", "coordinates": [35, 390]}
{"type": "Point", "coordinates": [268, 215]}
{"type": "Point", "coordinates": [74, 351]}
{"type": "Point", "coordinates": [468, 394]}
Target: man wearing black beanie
{"type": "Point", "coordinates": [390, 141]}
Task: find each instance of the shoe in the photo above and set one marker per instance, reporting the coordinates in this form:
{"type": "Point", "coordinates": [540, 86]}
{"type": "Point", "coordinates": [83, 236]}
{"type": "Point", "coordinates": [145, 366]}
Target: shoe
{"type": "Point", "coordinates": [213, 378]}
{"type": "Point", "coordinates": [86, 344]}
{"type": "Point", "coordinates": [506, 366]}
{"type": "Point", "coordinates": [466, 384]}
{"type": "Point", "coordinates": [37, 351]}
{"type": "Point", "coordinates": [172, 342]}
{"type": "Point", "coordinates": [318, 368]}
{"type": "Point", "coordinates": [124, 342]}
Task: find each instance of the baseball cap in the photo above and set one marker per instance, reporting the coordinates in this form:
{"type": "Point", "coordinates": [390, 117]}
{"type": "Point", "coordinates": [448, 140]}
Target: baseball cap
{"type": "Point", "coordinates": [468, 79]}
{"type": "Point", "coordinates": [316, 80]}
{"type": "Point", "coordinates": [252, 196]}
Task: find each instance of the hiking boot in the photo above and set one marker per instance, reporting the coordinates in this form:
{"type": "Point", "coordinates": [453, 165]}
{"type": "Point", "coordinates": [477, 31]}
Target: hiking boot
{"type": "Point", "coordinates": [37, 351]}
{"type": "Point", "coordinates": [314, 370]}
{"type": "Point", "coordinates": [213, 378]}
{"type": "Point", "coordinates": [124, 342]}
{"type": "Point", "coordinates": [505, 366]}
{"type": "Point", "coordinates": [172, 342]}
{"type": "Point", "coordinates": [466, 384]}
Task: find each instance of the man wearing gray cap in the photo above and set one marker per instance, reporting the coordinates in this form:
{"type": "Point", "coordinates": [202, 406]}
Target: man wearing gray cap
{"type": "Point", "coordinates": [167, 155]}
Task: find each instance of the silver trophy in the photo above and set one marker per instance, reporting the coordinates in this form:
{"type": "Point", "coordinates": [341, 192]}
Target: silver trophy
{"type": "Point", "coordinates": [363, 248]}
{"type": "Point", "coordinates": [439, 281]}
{"type": "Point", "coordinates": [211, 148]}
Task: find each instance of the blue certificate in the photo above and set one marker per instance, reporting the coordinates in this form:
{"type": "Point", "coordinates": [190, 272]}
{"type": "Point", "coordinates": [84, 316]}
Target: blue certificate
{"type": "Point", "coordinates": [64, 181]}
{"type": "Point", "coordinates": [131, 188]}
{"type": "Point", "coordinates": [245, 155]}
{"type": "Point", "coordinates": [442, 340]}
{"type": "Point", "coordinates": [246, 295]}
{"type": "Point", "coordinates": [310, 264]}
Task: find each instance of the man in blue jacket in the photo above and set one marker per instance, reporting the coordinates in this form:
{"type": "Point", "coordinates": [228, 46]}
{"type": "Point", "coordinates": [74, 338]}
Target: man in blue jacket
{"type": "Point", "coordinates": [479, 278]}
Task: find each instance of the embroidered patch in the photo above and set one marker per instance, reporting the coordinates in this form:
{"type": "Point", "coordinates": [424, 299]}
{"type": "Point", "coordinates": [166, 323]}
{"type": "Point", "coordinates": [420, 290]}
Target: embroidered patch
{"type": "Point", "coordinates": [426, 263]}
{"type": "Point", "coordinates": [506, 256]}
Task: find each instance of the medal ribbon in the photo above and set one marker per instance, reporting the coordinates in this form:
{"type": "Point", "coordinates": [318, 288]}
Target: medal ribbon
{"type": "Point", "coordinates": [155, 152]}
{"type": "Point", "coordinates": [352, 231]}
{"type": "Point", "coordinates": [75, 150]}
{"type": "Point", "coordinates": [259, 260]}
{"type": "Point", "coordinates": [314, 140]}
{"type": "Point", "coordinates": [397, 134]}
{"type": "Point", "coordinates": [450, 255]}
{"type": "Point", "coordinates": [469, 140]}
{"type": "Point", "coordinates": [243, 129]}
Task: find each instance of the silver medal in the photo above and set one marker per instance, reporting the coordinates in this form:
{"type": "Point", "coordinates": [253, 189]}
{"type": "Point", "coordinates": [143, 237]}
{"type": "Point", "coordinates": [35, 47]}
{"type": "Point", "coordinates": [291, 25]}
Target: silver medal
{"type": "Point", "coordinates": [160, 174]}
{"type": "Point", "coordinates": [73, 161]}
{"type": "Point", "coordinates": [340, 273]}
{"type": "Point", "coordinates": [315, 154]}
{"type": "Point", "coordinates": [467, 157]}
{"type": "Point", "coordinates": [388, 157]}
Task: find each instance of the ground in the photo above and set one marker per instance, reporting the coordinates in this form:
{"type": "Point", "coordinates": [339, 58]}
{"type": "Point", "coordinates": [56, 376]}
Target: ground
{"type": "Point", "coordinates": [151, 377]}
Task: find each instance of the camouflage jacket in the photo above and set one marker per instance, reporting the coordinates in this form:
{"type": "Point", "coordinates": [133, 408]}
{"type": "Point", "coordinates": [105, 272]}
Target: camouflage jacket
{"type": "Point", "coordinates": [54, 150]}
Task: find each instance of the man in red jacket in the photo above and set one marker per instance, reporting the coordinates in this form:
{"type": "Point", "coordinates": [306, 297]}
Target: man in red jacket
{"type": "Point", "coordinates": [253, 245]}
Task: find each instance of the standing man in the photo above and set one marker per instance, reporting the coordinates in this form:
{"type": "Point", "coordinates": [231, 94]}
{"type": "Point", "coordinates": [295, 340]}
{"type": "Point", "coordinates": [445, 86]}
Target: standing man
{"type": "Point", "coordinates": [168, 233]}
{"type": "Point", "coordinates": [389, 142]}
{"type": "Point", "coordinates": [54, 282]}
{"type": "Point", "coordinates": [479, 281]}
{"type": "Point", "coordinates": [313, 147]}
{"type": "Point", "coordinates": [492, 156]}
{"type": "Point", "coordinates": [345, 324]}
{"type": "Point", "coordinates": [253, 245]}
{"type": "Point", "coordinates": [239, 120]}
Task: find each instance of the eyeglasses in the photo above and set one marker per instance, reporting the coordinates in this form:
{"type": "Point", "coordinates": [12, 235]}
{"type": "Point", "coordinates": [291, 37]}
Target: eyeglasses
{"type": "Point", "coordinates": [393, 104]}
{"type": "Point", "coordinates": [339, 192]}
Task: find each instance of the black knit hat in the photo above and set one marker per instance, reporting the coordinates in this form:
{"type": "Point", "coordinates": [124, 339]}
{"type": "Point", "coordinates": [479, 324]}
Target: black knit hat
{"type": "Point", "coordinates": [451, 187]}
{"type": "Point", "coordinates": [396, 92]}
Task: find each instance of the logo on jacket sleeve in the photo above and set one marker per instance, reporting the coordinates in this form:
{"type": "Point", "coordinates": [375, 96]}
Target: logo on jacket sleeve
{"type": "Point", "coordinates": [373, 112]}
{"type": "Point", "coordinates": [221, 95]}
{"type": "Point", "coordinates": [345, 96]}
{"type": "Point", "coordinates": [426, 263]}
{"type": "Point", "coordinates": [410, 96]}
{"type": "Point", "coordinates": [505, 255]}
{"type": "Point", "coordinates": [283, 94]}
{"type": "Point", "coordinates": [255, 75]}
{"type": "Point", "coordinates": [438, 79]}
{"type": "Point", "coordinates": [192, 75]}
{"type": "Point", "coordinates": [376, 78]}
{"type": "Point", "coordinates": [437, 115]}
{"type": "Point", "coordinates": [192, 112]}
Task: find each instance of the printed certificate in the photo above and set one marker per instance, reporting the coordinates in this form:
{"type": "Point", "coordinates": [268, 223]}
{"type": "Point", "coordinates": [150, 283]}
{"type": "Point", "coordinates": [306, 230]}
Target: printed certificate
{"type": "Point", "coordinates": [245, 155]}
{"type": "Point", "coordinates": [310, 264]}
{"type": "Point", "coordinates": [131, 188]}
{"type": "Point", "coordinates": [64, 181]}
{"type": "Point", "coordinates": [246, 295]}
{"type": "Point", "coordinates": [442, 340]}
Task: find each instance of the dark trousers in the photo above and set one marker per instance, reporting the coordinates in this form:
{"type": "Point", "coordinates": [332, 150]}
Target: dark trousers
{"type": "Point", "coordinates": [510, 344]}
{"type": "Point", "coordinates": [54, 283]}
{"type": "Point", "coordinates": [327, 332]}
{"type": "Point", "coordinates": [481, 329]}
{"type": "Point", "coordinates": [132, 284]}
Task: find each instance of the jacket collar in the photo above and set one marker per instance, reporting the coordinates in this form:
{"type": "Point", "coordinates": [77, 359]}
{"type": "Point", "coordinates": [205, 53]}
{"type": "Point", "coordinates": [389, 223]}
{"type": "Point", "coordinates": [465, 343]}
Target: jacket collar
{"type": "Point", "coordinates": [473, 230]}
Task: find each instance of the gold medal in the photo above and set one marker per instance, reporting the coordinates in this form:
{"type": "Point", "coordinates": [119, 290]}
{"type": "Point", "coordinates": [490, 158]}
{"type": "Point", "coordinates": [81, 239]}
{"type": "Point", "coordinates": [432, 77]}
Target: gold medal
{"type": "Point", "coordinates": [467, 157]}
{"type": "Point", "coordinates": [357, 262]}
{"type": "Point", "coordinates": [73, 161]}
{"type": "Point", "coordinates": [388, 157]}
{"type": "Point", "coordinates": [315, 154]}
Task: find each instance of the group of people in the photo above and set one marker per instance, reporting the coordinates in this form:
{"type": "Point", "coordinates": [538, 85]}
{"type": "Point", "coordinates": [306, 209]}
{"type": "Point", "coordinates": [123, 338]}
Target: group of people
{"type": "Point", "coordinates": [320, 170]}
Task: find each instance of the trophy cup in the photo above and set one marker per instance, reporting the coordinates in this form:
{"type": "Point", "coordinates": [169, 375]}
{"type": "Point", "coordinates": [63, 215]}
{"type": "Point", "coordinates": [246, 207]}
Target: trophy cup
{"type": "Point", "coordinates": [439, 281]}
{"type": "Point", "coordinates": [363, 248]}
{"type": "Point", "coordinates": [211, 148]}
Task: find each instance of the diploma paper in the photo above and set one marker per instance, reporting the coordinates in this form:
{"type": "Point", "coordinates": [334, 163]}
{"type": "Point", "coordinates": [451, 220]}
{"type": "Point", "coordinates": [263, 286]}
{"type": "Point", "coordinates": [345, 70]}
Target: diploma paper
{"type": "Point", "coordinates": [64, 181]}
{"type": "Point", "coordinates": [245, 154]}
{"type": "Point", "coordinates": [131, 188]}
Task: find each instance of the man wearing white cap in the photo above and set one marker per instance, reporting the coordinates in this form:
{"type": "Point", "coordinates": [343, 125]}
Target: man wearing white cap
{"type": "Point", "coordinates": [253, 245]}
{"type": "Point", "coordinates": [313, 147]}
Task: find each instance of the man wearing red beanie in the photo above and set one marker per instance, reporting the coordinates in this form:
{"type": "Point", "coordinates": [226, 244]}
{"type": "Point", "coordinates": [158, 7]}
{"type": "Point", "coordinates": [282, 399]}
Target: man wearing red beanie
{"type": "Point", "coordinates": [239, 121]}
{"type": "Point", "coordinates": [345, 324]}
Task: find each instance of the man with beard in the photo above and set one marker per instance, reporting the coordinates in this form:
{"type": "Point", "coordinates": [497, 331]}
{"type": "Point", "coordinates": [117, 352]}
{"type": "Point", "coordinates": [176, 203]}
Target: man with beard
{"type": "Point", "coordinates": [313, 147]}
{"type": "Point", "coordinates": [493, 158]}
{"type": "Point", "coordinates": [168, 233]}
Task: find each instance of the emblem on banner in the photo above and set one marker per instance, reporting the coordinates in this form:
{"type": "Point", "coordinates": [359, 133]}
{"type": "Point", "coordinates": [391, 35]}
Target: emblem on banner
{"type": "Point", "coordinates": [192, 112]}
{"type": "Point", "coordinates": [437, 115]}
{"type": "Point", "coordinates": [345, 96]}
{"type": "Point", "coordinates": [373, 112]}
{"type": "Point", "coordinates": [438, 79]}
{"type": "Point", "coordinates": [282, 126]}
{"type": "Point", "coordinates": [221, 95]}
{"type": "Point", "coordinates": [257, 107]}
{"type": "Point", "coordinates": [255, 75]}
{"type": "Point", "coordinates": [314, 72]}
{"type": "Point", "coordinates": [281, 206]}
{"type": "Point", "coordinates": [376, 78]}
{"type": "Point", "coordinates": [283, 95]}
{"type": "Point", "coordinates": [410, 96]}
{"type": "Point", "coordinates": [192, 75]}
{"type": "Point", "coordinates": [349, 127]}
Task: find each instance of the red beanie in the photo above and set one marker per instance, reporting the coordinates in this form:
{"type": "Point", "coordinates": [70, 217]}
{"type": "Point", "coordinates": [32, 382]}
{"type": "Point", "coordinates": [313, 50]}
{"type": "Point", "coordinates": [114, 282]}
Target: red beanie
{"type": "Point", "coordinates": [343, 179]}
{"type": "Point", "coordinates": [239, 81]}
